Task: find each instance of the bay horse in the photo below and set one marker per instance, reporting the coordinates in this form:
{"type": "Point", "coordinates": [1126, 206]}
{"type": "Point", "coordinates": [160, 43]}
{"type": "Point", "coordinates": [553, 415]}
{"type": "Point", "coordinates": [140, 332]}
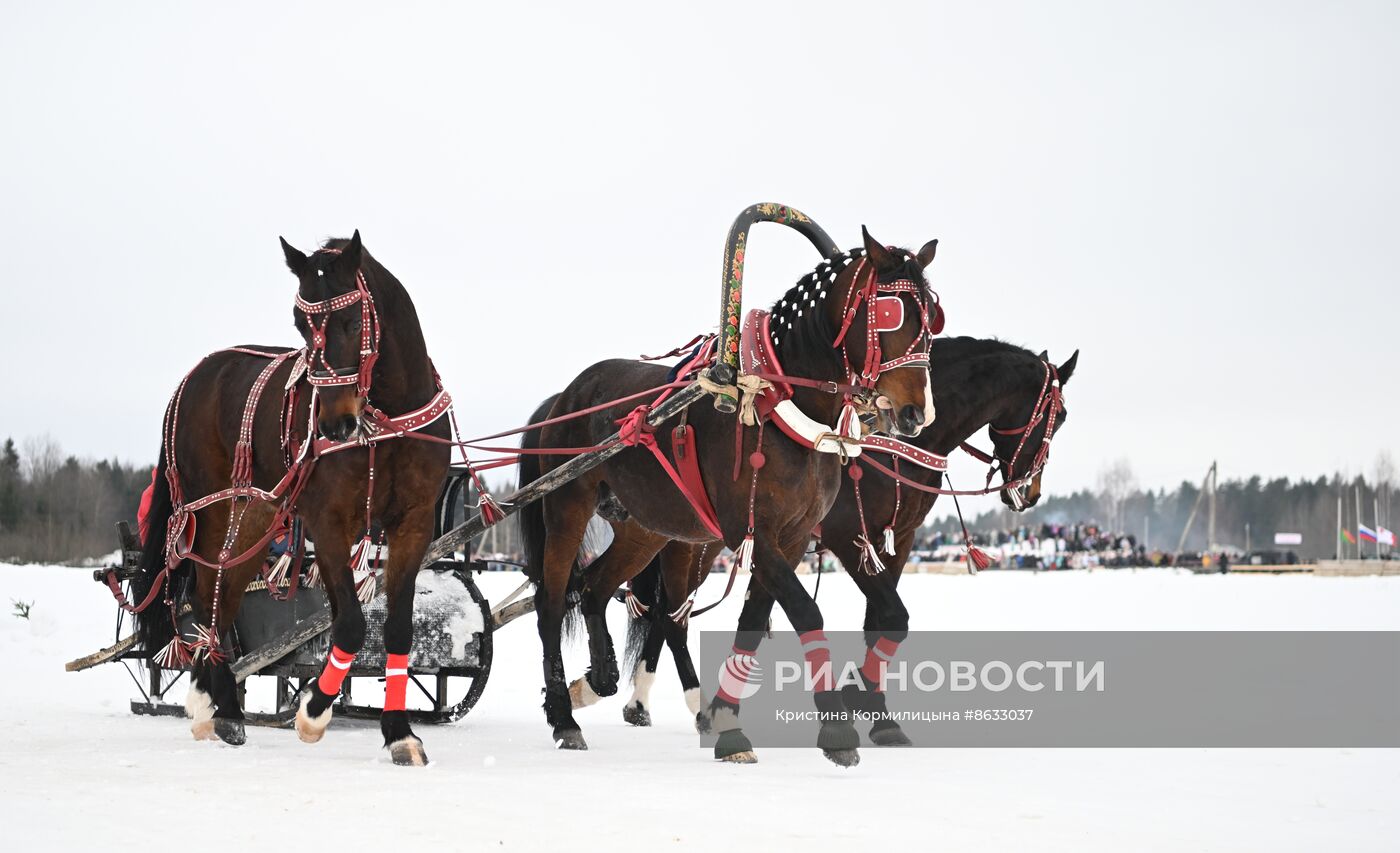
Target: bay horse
{"type": "Point", "coordinates": [976, 382]}
{"type": "Point", "coordinates": [365, 356]}
{"type": "Point", "coordinates": [767, 489]}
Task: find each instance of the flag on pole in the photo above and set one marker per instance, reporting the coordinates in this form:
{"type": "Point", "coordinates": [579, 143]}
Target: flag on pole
{"type": "Point", "coordinates": [1366, 533]}
{"type": "Point", "coordinates": [1347, 537]}
{"type": "Point", "coordinates": [1386, 537]}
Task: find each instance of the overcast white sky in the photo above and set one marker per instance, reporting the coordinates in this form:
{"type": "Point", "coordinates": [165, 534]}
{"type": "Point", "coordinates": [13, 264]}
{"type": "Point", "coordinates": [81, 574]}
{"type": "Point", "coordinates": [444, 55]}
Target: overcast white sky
{"type": "Point", "coordinates": [1200, 197]}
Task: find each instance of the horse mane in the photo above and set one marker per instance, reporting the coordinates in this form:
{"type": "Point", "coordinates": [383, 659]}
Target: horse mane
{"type": "Point", "coordinates": [800, 328]}
{"type": "Point", "coordinates": [968, 347]}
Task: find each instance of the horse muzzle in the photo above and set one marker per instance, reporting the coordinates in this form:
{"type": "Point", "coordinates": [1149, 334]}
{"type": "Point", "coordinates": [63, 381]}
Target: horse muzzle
{"type": "Point", "coordinates": [340, 428]}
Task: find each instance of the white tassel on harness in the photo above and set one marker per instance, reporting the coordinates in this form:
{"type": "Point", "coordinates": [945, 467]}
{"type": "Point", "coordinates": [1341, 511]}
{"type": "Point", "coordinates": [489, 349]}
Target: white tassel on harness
{"type": "Point", "coordinates": [745, 553]}
{"type": "Point", "coordinates": [681, 615]}
{"type": "Point", "coordinates": [635, 608]}
{"type": "Point", "coordinates": [278, 573]}
{"type": "Point", "coordinates": [366, 585]}
{"type": "Point", "coordinates": [889, 540]}
{"type": "Point", "coordinates": [313, 574]}
{"type": "Point", "coordinates": [869, 557]}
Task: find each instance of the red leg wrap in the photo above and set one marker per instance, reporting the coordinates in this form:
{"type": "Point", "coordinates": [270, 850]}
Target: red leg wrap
{"type": "Point", "coordinates": [337, 667]}
{"type": "Point", "coordinates": [818, 654]}
{"type": "Point", "coordinates": [395, 682]}
{"type": "Point", "coordinates": [877, 657]}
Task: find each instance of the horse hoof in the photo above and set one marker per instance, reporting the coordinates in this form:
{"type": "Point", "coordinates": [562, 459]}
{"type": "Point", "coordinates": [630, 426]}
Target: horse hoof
{"type": "Point", "coordinates": [311, 729]}
{"type": "Point", "coordinates": [408, 752]}
{"type": "Point", "coordinates": [842, 757]}
{"type": "Point", "coordinates": [702, 723]}
{"type": "Point", "coordinates": [636, 714]}
{"type": "Point", "coordinates": [230, 731]}
{"type": "Point", "coordinates": [203, 730]}
{"type": "Point", "coordinates": [570, 739]}
{"type": "Point", "coordinates": [581, 694]}
{"type": "Point", "coordinates": [890, 736]}
{"type": "Point", "coordinates": [747, 756]}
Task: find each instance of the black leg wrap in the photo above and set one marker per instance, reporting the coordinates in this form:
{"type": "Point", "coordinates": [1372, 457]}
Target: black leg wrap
{"type": "Point", "coordinates": [870, 702]}
{"type": "Point", "coordinates": [837, 738]}
{"type": "Point", "coordinates": [732, 742]}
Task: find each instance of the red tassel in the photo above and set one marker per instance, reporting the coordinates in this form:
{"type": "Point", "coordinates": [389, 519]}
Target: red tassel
{"type": "Point", "coordinates": [491, 512]}
{"type": "Point", "coordinates": [977, 559]}
{"type": "Point", "coordinates": [174, 655]}
{"type": "Point", "coordinates": [635, 608]}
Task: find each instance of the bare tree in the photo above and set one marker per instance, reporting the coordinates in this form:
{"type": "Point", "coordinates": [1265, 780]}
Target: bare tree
{"type": "Point", "coordinates": [1116, 483]}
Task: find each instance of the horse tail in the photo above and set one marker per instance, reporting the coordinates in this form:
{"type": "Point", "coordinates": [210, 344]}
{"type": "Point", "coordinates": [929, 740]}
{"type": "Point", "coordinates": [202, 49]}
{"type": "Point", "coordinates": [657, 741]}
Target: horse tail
{"type": "Point", "coordinates": [647, 587]}
{"type": "Point", "coordinates": [155, 626]}
{"type": "Point", "coordinates": [532, 514]}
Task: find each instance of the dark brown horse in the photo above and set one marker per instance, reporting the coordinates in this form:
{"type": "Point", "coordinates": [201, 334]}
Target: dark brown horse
{"type": "Point", "coordinates": [795, 484]}
{"type": "Point", "coordinates": [365, 357]}
{"type": "Point", "coordinates": [976, 383]}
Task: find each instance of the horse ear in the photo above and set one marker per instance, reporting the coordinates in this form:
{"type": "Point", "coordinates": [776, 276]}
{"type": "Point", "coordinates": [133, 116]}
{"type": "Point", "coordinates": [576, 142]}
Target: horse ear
{"type": "Point", "coordinates": [1044, 355]}
{"type": "Point", "coordinates": [1067, 369]}
{"type": "Point", "coordinates": [876, 252]}
{"type": "Point", "coordinates": [296, 261]}
{"type": "Point", "coordinates": [925, 256]}
{"type": "Point", "coordinates": [351, 255]}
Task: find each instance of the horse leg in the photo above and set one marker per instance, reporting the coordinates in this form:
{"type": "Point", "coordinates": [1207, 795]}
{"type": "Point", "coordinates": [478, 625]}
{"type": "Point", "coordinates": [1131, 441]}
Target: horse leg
{"type": "Point", "coordinates": [199, 707]}
{"type": "Point", "coordinates": [684, 573]}
{"type": "Point", "coordinates": [347, 637]}
{"type": "Point", "coordinates": [886, 626]}
{"type": "Point", "coordinates": [565, 523]}
{"type": "Point", "coordinates": [776, 574]}
{"type": "Point", "coordinates": [734, 679]}
{"type": "Point", "coordinates": [631, 549]}
{"type": "Point", "coordinates": [407, 542]}
{"type": "Point", "coordinates": [636, 710]}
{"type": "Point", "coordinates": [213, 700]}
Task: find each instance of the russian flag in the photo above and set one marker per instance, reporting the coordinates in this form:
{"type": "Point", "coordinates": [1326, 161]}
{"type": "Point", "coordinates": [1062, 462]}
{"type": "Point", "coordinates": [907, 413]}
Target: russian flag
{"type": "Point", "coordinates": [1366, 533]}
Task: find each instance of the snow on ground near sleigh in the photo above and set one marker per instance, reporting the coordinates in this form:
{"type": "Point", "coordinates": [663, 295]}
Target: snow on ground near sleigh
{"type": "Point", "coordinates": [78, 771]}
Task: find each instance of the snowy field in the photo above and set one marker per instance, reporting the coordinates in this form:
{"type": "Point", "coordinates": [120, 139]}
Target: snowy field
{"type": "Point", "coordinates": [77, 771]}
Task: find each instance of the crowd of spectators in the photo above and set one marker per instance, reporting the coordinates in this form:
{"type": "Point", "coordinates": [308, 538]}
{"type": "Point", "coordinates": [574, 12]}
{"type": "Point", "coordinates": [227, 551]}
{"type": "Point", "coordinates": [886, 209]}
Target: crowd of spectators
{"type": "Point", "coordinates": [1048, 546]}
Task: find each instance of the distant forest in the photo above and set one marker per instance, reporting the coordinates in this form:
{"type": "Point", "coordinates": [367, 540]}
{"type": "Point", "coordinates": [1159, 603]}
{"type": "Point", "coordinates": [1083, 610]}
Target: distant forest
{"type": "Point", "coordinates": [61, 509]}
{"type": "Point", "coordinates": [1266, 507]}
{"type": "Point", "coordinates": [56, 508]}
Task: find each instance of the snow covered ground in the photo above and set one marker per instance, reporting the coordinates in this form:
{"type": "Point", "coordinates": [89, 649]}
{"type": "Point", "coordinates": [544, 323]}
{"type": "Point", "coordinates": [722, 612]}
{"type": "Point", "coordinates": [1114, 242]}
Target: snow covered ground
{"type": "Point", "coordinates": [77, 771]}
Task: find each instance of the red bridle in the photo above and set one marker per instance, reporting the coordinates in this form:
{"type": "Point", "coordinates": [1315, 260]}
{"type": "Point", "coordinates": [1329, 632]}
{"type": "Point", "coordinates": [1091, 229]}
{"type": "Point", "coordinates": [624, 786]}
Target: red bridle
{"type": "Point", "coordinates": [1048, 407]}
{"type": "Point", "coordinates": [327, 375]}
{"type": "Point", "coordinates": [884, 314]}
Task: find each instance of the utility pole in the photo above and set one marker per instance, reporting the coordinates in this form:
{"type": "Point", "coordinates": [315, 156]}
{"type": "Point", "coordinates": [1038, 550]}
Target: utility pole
{"type": "Point", "coordinates": [1358, 523]}
{"type": "Point", "coordinates": [1340, 550]}
{"type": "Point", "coordinates": [1207, 487]}
{"type": "Point", "coordinates": [1376, 520]}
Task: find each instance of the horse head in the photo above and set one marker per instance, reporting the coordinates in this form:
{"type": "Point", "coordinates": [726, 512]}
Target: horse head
{"type": "Point", "coordinates": [336, 316]}
{"type": "Point", "coordinates": [1021, 435]}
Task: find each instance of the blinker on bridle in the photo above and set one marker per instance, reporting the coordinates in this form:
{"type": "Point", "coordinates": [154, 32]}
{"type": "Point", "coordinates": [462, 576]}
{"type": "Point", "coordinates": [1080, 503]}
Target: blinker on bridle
{"type": "Point", "coordinates": [883, 314]}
